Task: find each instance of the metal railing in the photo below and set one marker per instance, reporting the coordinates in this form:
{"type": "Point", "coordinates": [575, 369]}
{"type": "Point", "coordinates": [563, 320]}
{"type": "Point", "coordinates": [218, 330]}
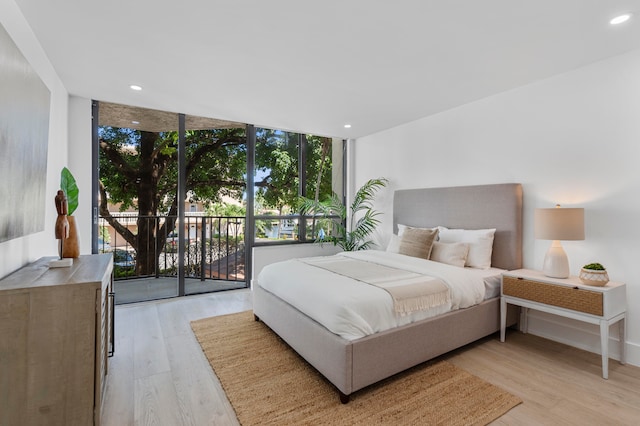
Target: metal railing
{"type": "Point", "coordinates": [214, 246]}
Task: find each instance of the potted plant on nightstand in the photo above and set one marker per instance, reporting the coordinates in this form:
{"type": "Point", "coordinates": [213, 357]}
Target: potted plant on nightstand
{"type": "Point", "coordinates": [594, 274]}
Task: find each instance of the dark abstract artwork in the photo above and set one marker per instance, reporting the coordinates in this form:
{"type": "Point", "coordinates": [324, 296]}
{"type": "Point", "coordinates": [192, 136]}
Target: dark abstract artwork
{"type": "Point", "coordinates": [24, 131]}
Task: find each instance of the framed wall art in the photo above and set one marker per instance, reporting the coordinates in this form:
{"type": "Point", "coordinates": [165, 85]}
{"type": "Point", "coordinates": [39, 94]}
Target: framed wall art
{"type": "Point", "coordinates": [24, 132]}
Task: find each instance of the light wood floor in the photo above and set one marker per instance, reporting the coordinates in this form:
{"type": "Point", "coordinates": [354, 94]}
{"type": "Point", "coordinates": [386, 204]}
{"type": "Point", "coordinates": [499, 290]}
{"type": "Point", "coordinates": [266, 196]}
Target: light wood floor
{"type": "Point", "coordinates": [159, 376]}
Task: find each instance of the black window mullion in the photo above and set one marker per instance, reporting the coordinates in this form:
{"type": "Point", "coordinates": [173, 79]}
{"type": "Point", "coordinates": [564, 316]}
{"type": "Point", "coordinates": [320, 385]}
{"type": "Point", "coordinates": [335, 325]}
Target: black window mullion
{"type": "Point", "coordinates": [250, 219]}
{"type": "Point", "coordinates": [302, 183]}
{"type": "Point", "coordinates": [181, 196]}
{"type": "Point", "coordinates": [95, 175]}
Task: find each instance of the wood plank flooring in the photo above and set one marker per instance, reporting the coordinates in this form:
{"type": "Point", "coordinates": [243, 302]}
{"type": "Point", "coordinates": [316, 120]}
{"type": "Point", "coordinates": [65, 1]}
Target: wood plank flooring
{"type": "Point", "coordinates": [159, 376]}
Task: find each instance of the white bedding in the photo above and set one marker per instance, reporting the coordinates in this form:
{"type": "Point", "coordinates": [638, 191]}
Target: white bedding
{"type": "Point", "coordinates": [353, 309]}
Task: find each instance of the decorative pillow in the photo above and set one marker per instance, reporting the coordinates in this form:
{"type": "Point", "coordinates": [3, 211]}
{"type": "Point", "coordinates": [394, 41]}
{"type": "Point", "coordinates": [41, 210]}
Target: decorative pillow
{"type": "Point", "coordinates": [480, 244]}
{"type": "Point", "coordinates": [394, 242]}
{"type": "Point", "coordinates": [417, 242]}
{"type": "Point", "coordinates": [450, 253]}
{"type": "Point", "coordinates": [401, 229]}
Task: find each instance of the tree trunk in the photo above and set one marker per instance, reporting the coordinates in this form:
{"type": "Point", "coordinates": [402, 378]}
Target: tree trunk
{"type": "Point", "coordinates": [326, 145]}
{"type": "Point", "coordinates": [147, 182]}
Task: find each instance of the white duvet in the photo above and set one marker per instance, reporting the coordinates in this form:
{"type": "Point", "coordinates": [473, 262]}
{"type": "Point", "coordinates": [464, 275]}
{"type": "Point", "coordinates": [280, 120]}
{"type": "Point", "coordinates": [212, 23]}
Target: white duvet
{"type": "Point", "coordinates": [354, 309]}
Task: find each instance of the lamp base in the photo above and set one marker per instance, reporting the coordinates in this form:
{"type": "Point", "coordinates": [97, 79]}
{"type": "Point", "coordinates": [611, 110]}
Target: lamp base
{"type": "Point", "coordinates": [556, 263]}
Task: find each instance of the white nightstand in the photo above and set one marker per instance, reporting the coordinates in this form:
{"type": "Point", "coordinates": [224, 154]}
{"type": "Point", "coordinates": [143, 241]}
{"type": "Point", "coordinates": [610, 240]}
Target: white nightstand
{"type": "Point", "coordinates": [568, 298]}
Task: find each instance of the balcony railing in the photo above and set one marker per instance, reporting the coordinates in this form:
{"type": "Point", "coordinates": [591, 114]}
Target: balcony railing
{"type": "Point", "coordinates": [214, 246]}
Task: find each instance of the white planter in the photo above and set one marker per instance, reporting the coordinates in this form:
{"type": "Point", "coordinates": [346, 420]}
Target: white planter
{"type": "Point", "coordinates": [593, 277]}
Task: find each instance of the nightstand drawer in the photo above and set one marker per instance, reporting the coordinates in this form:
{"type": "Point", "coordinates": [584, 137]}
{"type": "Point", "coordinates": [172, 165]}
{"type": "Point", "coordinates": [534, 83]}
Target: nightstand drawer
{"type": "Point", "coordinates": [576, 299]}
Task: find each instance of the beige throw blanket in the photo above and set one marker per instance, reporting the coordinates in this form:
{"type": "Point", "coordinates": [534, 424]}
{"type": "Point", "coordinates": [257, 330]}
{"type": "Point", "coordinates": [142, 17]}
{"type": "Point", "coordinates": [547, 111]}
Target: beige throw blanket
{"type": "Point", "coordinates": [410, 291]}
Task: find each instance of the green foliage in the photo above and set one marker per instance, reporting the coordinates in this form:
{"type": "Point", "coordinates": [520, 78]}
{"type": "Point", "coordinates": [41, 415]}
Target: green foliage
{"type": "Point", "coordinates": [119, 272]}
{"type": "Point", "coordinates": [143, 159]}
{"type": "Point", "coordinates": [103, 233]}
{"type": "Point", "coordinates": [68, 185]}
{"type": "Point", "coordinates": [133, 161]}
{"type": "Point", "coordinates": [362, 218]}
{"type": "Point", "coordinates": [594, 267]}
{"type": "Point", "coordinates": [277, 160]}
{"type": "Point", "coordinates": [225, 210]}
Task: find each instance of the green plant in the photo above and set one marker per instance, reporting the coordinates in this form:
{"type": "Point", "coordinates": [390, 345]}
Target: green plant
{"type": "Point", "coordinates": [362, 218]}
{"type": "Point", "coordinates": [68, 185]}
{"type": "Point", "coordinates": [594, 267]}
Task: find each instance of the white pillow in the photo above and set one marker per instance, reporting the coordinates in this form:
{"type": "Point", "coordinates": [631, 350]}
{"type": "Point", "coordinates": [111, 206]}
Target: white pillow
{"type": "Point", "coordinates": [394, 244]}
{"type": "Point", "coordinates": [401, 229]}
{"type": "Point", "coordinates": [450, 253]}
{"type": "Point", "coordinates": [480, 244]}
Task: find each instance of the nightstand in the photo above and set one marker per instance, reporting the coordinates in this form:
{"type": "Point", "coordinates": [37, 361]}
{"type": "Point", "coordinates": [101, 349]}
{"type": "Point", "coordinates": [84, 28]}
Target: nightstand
{"type": "Point", "coordinates": [569, 298]}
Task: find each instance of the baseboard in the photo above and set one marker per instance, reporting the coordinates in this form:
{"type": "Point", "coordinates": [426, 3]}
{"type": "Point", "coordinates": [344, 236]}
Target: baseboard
{"type": "Point", "coordinates": [580, 335]}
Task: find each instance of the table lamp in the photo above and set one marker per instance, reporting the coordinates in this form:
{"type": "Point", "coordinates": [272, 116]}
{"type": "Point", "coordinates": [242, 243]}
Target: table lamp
{"type": "Point", "coordinates": [558, 224]}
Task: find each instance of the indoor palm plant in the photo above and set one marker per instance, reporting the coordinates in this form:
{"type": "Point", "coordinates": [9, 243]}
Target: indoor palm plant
{"type": "Point", "coordinates": [362, 218]}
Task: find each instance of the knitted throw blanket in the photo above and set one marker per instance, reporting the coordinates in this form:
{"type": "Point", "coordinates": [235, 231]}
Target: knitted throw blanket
{"type": "Point", "coordinates": [410, 291]}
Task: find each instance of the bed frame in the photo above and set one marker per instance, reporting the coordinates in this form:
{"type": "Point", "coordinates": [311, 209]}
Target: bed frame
{"type": "Point", "coordinates": [353, 365]}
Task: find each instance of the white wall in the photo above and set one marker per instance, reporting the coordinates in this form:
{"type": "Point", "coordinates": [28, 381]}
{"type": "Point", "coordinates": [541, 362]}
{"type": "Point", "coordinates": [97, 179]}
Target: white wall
{"type": "Point", "coordinates": [573, 139]}
{"type": "Point", "coordinates": [18, 252]}
{"type": "Point", "coordinates": [80, 154]}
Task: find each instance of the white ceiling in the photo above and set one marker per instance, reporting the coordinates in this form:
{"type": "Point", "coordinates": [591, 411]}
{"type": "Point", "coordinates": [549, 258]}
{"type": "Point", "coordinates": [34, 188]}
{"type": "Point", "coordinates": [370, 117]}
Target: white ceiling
{"type": "Point", "coordinates": [313, 66]}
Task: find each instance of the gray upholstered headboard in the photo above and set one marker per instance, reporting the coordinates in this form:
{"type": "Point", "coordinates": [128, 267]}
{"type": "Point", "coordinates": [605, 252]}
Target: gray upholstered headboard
{"type": "Point", "coordinates": [468, 207]}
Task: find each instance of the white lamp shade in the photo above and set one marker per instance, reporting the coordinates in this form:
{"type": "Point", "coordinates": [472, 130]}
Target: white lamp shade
{"type": "Point", "coordinates": [559, 224]}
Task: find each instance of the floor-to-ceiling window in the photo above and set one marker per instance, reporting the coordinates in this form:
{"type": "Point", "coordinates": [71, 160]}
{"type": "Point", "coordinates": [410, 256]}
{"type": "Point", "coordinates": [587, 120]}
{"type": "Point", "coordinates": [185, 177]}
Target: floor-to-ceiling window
{"type": "Point", "coordinates": [173, 199]}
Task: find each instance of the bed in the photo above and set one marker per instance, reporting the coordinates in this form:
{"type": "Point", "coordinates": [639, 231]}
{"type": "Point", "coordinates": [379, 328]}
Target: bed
{"type": "Point", "coordinates": [352, 364]}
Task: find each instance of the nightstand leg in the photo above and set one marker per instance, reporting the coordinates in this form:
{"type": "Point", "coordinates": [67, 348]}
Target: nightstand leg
{"type": "Point", "coordinates": [524, 320]}
{"type": "Point", "coordinates": [503, 318]}
{"type": "Point", "coordinates": [604, 343]}
{"type": "Point", "coordinates": [622, 333]}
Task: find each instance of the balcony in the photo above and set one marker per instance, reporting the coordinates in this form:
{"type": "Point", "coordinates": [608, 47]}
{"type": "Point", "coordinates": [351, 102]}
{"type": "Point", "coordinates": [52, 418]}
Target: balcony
{"type": "Point", "coordinates": [146, 264]}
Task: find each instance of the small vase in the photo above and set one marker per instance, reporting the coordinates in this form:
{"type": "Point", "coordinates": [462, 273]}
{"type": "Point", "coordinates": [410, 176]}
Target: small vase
{"type": "Point", "coordinates": [71, 247]}
{"type": "Point", "coordinates": [594, 277]}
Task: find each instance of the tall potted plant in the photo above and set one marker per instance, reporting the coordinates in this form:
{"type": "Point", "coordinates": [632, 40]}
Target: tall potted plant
{"type": "Point", "coordinates": [363, 219]}
{"type": "Point", "coordinates": [68, 184]}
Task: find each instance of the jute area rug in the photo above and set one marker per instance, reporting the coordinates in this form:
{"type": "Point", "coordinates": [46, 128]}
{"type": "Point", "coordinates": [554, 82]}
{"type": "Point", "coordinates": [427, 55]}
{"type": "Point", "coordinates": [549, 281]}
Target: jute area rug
{"type": "Point", "coordinates": [269, 383]}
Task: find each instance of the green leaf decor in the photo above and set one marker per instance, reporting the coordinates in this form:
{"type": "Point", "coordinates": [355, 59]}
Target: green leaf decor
{"type": "Point", "coordinates": [68, 185]}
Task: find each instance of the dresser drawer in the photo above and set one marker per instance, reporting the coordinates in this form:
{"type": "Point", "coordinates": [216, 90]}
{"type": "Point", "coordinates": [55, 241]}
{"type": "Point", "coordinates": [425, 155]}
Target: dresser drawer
{"type": "Point", "coordinates": [576, 299]}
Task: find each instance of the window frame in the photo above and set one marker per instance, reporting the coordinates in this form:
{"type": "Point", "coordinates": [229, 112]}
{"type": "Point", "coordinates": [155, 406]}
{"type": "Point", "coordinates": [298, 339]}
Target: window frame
{"type": "Point", "coordinates": [252, 218]}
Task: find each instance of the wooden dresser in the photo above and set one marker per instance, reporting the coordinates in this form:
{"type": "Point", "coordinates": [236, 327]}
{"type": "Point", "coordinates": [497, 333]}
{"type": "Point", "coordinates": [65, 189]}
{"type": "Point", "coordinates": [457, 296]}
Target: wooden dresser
{"type": "Point", "coordinates": [54, 342]}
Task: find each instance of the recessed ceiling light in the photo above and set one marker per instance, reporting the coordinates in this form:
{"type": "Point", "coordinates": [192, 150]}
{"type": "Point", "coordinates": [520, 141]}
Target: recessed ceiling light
{"type": "Point", "coordinates": [347, 126]}
{"type": "Point", "coordinates": [135, 122]}
{"type": "Point", "coordinates": [135, 87]}
{"type": "Point", "coordinates": [620, 19]}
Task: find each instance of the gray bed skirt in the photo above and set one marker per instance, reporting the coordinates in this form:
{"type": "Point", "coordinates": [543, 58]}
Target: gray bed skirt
{"type": "Point", "coordinates": [353, 365]}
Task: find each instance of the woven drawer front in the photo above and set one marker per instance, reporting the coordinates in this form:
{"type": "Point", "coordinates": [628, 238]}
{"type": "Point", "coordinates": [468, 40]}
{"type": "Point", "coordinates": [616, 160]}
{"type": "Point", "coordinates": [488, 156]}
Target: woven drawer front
{"type": "Point", "coordinates": [576, 299]}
